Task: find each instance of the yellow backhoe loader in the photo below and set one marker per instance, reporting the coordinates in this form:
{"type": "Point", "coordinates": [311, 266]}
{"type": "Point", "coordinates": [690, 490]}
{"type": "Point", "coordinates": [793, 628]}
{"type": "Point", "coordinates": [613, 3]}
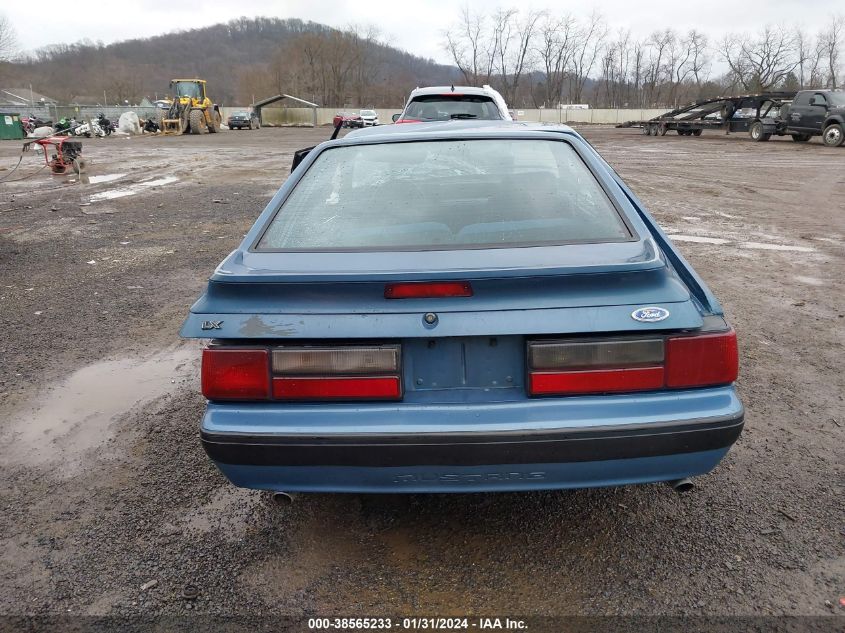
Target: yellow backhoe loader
{"type": "Point", "coordinates": [191, 111]}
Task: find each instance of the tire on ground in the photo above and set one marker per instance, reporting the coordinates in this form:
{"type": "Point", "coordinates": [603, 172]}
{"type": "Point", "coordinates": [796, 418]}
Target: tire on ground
{"type": "Point", "coordinates": [833, 135]}
{"type": "Point", "coordinates": [214, 126]}
{"type": "Point", "coordinates": [697, 132]}
{"type": "Point", "coordinates": [197, 122]}
{"type": "Point", "coordinates": [801, 138]}
{"type": "Point", "coordinates": [758, 133]}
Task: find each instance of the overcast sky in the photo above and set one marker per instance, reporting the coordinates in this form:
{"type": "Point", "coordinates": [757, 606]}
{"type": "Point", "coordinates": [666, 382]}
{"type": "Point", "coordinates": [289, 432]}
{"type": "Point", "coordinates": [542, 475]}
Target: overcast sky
{"type": "Point", "coordinates": [413, 26]}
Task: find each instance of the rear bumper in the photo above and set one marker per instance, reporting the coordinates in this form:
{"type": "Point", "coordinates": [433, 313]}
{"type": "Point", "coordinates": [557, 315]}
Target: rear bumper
{"type": "Point", "coordinates": [547, 444]}
{"type": "Point", "coordinates": [489, 478]}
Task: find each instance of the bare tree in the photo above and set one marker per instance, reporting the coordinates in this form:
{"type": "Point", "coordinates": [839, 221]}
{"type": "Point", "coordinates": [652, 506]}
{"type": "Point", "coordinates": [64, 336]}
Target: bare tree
{"type": "Point", "coordinates": [763, 61]}
{"type": "Point", "coordinates": [368, 61]}
{"type": "Point", "coordinates": [831, 40]}
{"type": "Point", "coordinates": [8, 39]}
{"type": "Point", "coordinates": [590, 42]}
{"type": "Point", "coordinates": [678, 66]}
{"type": "Point", "coordinates": [637, 79]}
{"type": "Point", "coordinates": [615, 63]}
{"type": "Point", "coordinates": [805, 51]}
{"type": "Point", "coordinates": [816, 66]}
{"type": "Point", "coordinates": [471, 47]}
{"type": "Point", "coordinates": [658, 45]}
{"type": "Point", "coordinates": [555, 49]}
{"type": "Point", "coordinates": [700, 58]}
{"type": "Point", "coordinates": [512, 43]}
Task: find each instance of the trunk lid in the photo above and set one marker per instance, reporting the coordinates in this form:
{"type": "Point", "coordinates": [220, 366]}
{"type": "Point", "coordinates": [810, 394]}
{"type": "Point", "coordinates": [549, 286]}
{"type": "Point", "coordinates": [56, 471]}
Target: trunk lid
{"type": "Point", "coordinates": [581, 288]}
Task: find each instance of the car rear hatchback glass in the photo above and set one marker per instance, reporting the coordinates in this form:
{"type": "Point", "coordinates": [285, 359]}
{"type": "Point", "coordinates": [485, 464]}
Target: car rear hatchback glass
{"type": "Point", "coordinates": [445, 195]}
{"type": "Point", "coordinates": [445, 107]}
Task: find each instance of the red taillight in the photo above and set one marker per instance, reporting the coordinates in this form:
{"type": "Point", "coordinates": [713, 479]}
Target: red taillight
{"type": "Point", "coordinates": [341, 372]}
{"type": "Point", "coordinates": [236, 374]}
{"type": "Point", "coordinates": [699, 361]}
{"type": "Point", "coordinates": [337, 388]}
{"type": "Point", "coordinates": [596, 381]}
{"type": "Point", "coordinates": [628, 365]}
{"type": "Point", "coordinates": [427, 289]}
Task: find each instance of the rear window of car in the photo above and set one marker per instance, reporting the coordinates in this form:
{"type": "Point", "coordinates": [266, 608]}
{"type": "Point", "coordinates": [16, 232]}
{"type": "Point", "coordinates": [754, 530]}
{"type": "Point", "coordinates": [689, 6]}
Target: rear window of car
{"type": "Point", "coordinates": [446, 107]}
{"type": "Point", "coordinates": [445, 195]}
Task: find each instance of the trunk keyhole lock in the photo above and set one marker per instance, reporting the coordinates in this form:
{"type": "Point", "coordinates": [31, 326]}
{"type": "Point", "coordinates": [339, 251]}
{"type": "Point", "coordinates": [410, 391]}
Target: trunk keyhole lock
{"type": "Point", "coordinates": [430, 319]}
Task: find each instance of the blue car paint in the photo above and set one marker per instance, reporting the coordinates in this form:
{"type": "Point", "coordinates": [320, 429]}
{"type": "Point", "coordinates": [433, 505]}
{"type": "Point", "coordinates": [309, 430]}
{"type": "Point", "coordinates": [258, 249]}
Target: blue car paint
{"type": "Point", "coordinates": [707, 299]}
{"type": "Point", "coordinates": [451, 323]}
{"type": "Point", "coordinates": [285, 301]}
{"type": "Point", "coordinates": [430, 414]}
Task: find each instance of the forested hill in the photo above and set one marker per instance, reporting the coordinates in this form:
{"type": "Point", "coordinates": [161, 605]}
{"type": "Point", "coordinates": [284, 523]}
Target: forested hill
{"type": "Point", "coordinates": [240, 59]}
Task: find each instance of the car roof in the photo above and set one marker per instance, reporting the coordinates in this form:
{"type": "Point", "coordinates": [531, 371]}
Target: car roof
{"type": "Point", "coordinates": [455, 127]}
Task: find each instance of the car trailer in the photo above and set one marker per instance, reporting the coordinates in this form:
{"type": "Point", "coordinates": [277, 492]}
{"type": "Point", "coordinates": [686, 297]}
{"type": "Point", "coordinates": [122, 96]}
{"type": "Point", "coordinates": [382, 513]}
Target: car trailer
{"type": "Point", "coordinates": [723, 113]}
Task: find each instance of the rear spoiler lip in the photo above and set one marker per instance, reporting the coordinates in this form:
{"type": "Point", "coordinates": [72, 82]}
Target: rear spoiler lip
{"type": "Point", "coordinates": [539, 261]}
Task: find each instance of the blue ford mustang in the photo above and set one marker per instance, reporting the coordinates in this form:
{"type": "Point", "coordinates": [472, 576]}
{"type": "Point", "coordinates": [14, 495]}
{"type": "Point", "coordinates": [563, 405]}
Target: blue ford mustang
{"type": "Point", "coordinates": [461, 306]}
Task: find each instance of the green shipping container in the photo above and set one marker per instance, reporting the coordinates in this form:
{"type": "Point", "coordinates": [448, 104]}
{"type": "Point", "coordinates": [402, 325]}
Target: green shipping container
{"type": "Point", "coordinates": [11, 127]}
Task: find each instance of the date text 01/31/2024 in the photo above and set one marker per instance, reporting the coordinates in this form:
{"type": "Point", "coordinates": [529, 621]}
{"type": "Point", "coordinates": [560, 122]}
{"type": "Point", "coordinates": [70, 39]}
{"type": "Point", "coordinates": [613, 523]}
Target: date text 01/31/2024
{"type": "Point", "coordinates": [415, 624]}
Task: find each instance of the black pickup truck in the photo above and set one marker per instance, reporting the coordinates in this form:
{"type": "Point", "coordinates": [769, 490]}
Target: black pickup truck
{"type": "Point", "coordinates": [814, 113]}
{"type": "Point", "coordinates": [801, 115]}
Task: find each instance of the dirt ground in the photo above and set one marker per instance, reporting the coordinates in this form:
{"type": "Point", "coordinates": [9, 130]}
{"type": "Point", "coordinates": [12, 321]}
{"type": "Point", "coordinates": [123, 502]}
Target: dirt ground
{"type": "Point", "coordinates": [110, 506]}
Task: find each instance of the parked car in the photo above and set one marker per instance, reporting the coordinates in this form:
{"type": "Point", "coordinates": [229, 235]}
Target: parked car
{"type": "Point", "coordinates": [443, 103]}
{"type": "Point", "coordinates": [244, 119]}
{"type": "Point", "coordinates": [484, 306]}
{"type": "Point", "coordinates": [369, 118]}
{"type": "Point", "coordinates": [347, 119]}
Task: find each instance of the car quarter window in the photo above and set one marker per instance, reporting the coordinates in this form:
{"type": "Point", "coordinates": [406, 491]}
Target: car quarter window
{"type": "Point", "coordinates": [445, 195]}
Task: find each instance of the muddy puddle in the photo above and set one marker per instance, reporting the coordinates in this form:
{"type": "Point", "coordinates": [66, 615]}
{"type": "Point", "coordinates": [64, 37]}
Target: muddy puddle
{"type": "Point", "coordinates": [68, 422]}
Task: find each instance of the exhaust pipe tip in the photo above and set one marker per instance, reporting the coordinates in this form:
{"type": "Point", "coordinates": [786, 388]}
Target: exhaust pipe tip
{"type": "Point", "coordinates": [681, 485]}
{"type": "Point", "coordinates": [283, 499]}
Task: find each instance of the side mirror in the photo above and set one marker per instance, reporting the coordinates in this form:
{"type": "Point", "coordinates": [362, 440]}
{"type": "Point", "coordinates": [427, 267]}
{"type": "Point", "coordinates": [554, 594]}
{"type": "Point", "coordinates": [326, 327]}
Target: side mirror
{"type": "Point", "coordinates": [395, 117]}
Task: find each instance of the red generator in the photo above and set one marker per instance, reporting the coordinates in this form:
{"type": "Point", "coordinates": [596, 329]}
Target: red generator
{"type": "Point", "coordinates": [66, 154]}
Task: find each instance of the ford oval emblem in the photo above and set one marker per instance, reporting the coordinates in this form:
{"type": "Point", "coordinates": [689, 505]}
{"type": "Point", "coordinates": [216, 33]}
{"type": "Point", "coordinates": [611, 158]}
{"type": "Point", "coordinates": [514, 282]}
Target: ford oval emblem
{"type": "Point", "coordinates": [650, 315]}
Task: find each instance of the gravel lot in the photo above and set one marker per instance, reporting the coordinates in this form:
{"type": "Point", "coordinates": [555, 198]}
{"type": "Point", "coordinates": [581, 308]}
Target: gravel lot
{"type": "Point", "coordinates": [110, 506]}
